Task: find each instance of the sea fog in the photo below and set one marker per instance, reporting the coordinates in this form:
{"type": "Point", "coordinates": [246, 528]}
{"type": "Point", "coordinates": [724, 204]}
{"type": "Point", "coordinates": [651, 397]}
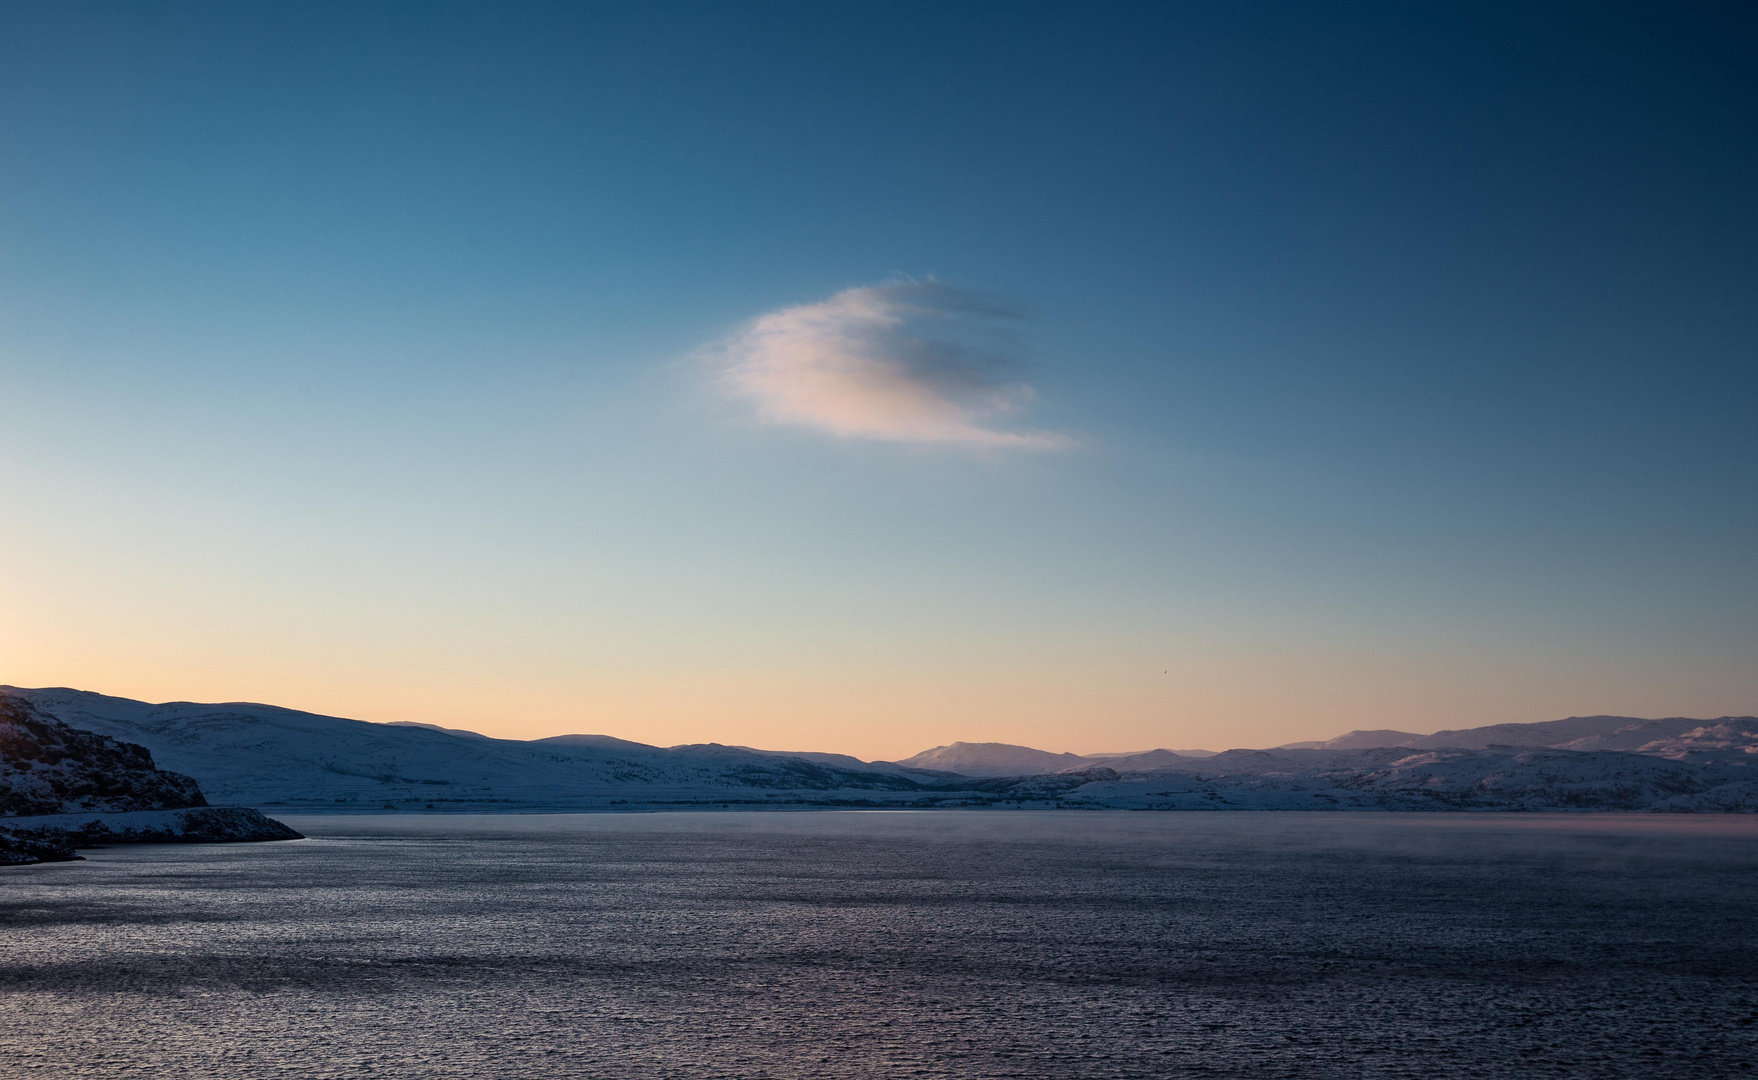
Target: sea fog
{"type": "Point", "coordinates": [937, 944]}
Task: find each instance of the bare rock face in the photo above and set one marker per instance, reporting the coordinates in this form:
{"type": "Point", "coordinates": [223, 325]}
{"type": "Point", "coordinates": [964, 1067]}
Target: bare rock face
{"type": "Point", "coordinates": [23, 847]}
{"type": "Point", "coordinates": [62, 788]}
{"type": "Point", "coordinates": [47, 767]}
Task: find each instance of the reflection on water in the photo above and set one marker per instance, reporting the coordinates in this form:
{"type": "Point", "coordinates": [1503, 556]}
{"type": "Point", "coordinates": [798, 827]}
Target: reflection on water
{"type": "Point", "coordinates": [898, 944]}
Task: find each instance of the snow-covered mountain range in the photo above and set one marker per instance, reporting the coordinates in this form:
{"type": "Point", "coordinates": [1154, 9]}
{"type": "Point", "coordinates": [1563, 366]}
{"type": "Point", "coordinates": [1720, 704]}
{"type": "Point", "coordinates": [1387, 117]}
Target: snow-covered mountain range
{"type": "Point", "coordinates": [288, 760]}
{"type": "Point", "coordinates": [1673, 737]}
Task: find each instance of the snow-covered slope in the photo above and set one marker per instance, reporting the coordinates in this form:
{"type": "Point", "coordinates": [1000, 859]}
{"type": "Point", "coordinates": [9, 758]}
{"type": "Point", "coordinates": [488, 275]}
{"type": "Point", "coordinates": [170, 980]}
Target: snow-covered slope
{"type": "Point", "coordinates": [1731, 738]}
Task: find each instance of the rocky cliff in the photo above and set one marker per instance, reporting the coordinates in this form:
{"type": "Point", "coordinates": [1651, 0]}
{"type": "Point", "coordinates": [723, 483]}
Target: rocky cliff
{"type": "Point", "coordinates": [47, 767]}
{"type": "Point", "coordinates": [62, 788]}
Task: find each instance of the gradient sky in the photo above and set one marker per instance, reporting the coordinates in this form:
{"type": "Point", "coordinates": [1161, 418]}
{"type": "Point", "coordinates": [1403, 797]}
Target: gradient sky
{"type": "Point", "coordinates": [866, 377]}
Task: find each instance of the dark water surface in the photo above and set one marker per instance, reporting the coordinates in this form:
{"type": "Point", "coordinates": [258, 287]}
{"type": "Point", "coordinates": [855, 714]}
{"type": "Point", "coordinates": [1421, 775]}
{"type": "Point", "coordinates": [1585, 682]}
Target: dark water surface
{"type": "Point", "coordinates": [938, 944]}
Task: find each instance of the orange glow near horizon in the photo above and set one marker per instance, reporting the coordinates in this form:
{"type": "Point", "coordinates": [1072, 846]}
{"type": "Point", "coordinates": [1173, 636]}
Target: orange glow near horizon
{"type": "Point", "coordinates": [1093, 705]}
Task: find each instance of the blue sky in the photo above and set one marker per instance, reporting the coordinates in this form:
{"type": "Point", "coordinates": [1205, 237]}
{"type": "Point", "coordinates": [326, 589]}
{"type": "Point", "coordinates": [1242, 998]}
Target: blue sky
{"type": "Point", "coordinates": [1339, 366]}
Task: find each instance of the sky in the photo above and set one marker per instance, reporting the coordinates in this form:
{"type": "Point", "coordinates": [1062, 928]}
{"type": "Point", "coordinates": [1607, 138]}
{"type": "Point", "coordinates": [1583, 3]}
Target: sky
{"type": "Point", "coordinates": [861, 378]}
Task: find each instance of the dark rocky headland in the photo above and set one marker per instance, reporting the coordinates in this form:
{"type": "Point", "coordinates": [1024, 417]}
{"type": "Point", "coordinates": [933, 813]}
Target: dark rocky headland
{"type": "Point", "coordinates": [63, 789]}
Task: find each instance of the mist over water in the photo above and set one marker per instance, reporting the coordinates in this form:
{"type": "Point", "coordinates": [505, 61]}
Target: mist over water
{"type": "Point", "coordinates": [934, 944]}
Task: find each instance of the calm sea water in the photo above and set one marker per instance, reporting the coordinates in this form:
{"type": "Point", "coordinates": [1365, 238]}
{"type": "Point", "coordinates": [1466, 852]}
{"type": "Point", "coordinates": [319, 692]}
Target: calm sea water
{"type": "Point", "coordinates": [984, 944]}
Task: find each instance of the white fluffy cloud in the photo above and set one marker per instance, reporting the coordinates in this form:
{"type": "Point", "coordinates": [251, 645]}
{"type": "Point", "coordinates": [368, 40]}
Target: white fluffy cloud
{"type": "Point", "coordinates": [904, 361]}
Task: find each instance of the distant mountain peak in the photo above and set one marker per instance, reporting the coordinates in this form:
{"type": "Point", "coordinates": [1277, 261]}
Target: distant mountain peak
{"type": "Point", "coordinates": [993, 759]}
{"type": "Point", "coordinates": [1361, 740]}
{"type": "Point", "coordinates": [435, 727]}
